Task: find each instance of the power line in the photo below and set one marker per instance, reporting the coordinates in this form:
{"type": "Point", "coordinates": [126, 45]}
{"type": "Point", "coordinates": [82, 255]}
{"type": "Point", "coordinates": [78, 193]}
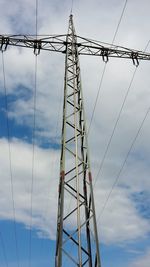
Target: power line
{"type": "Point", "coordinates": [115, 126]}
{"type": "Point", "coordinates": [3, 249]}
{"type": "Point", "coordinates": [33, 138]}
{"type": "Point", "coordinates": [36, 18]}
{"type": "Point", "coordinates": [97, 96]}
{"type": "Point", "coordinates": [118, 25]}
{"type": "Point", "coordinates": [132, 144]}
{"type": "Point", "coordinates": [33, 159]}
{"type": "Point", "coordinates": [104, 69]}
{"type": "Point", "coordinates": [128, 153]}
{"type": "Point", "coordinates": [124, 162]}
{"type": "Point", "coordinates": [10, 161]}
{"type": "Point", "coordinates": [119, 22]}
{"type": "Point", "coordinates": [117, 120]}
{"type": "Point", "coordinates": [54, 157]}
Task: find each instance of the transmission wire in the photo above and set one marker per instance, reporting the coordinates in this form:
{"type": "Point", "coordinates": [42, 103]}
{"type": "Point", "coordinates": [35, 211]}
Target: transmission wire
{"type": "Point", "coordinates": [4, 250]}
{"type": "Point", "coordinates": [10, 159]}
{"type": "Point", "coordinates": [124, 162]}
{"type": "Point", "coordinates": [128, 153]}
{"type": "Point", "coordinates": [97, 96]}
{"type": "Point", "coordinates": [33, 160]}
{"type": "Point", "coordinates": [124, 7]}
{"type": "Point", "coordinates": [35, 79]}
{"type": "Point", "coordinates": [117, 120]}
{"type": "Point", "coordinates": [115, 126]}
{"type": "Point", "coordinates": [3, 244]}
{"type": "Point", "coordinates": [33, 139]}
{"type": "Point", "coordinates": [36, 18]}
{"type": "Point", "coordinates": [54, 157]}
{"type": "Point", "coordinates": [104, 69]}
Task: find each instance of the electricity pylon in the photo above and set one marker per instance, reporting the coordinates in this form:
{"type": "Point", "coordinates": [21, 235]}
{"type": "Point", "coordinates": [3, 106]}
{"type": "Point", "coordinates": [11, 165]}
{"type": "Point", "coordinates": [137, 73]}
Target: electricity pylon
{"type": "Point", "coordinates": [75, 173]}
{"type": "Point", "coordinates": [77, 238]}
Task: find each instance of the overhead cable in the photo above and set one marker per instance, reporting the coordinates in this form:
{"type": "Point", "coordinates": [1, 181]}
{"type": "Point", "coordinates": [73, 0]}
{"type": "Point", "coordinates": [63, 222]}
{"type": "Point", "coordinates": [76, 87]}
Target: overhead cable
{"type": "Point", "coordinates": [36, 18]}
{"type": "Point", "coordinates": [33, 140]}
{"type": "Point", "coordinates": [124, 162]}
{"type": "Point", "coordinates": [115, 126]}
{"type": "Point", "coordinates": [4, 249]}
{"type": "Point", "coordinates": [104, 69]}
{"type": "Point", "coordinates": [129, 151]}
{"type": "Point", "coordinates": [33, 161]}
{"type": "Point", "coordinates": [54, 157]}
{"type": "Point", "coordinates": [119, 22]}
{"type": "Point", "coordinates": [117, 120]}
{"type": "Point", "coordinates": [10, 160]}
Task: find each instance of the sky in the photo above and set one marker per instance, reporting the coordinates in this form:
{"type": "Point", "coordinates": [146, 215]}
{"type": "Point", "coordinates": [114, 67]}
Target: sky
{"type": "Point", "coordinates": [124, 222]}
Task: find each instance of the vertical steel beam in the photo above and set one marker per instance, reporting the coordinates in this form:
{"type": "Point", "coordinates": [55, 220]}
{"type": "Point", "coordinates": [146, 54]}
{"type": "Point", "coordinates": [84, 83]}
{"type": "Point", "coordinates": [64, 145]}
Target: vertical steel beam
{"type": "Point", "coordinates": [77, 236]}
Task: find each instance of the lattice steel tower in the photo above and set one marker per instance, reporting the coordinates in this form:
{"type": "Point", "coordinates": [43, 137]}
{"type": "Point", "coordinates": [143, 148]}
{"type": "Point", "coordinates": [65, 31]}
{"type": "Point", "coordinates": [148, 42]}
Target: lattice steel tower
{"type": "Point", "coordinates": [77, 237]}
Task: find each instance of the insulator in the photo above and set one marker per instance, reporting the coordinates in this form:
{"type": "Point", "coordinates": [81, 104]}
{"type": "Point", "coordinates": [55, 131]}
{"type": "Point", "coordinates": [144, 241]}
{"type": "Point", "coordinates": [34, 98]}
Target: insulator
{"type": "Point", "coordinates": [104, 54]}
{"type": "Point", "coordinates": [4, 43]}
{"type": "Point", "coordinates": [135, 60]}
{"type": "Point", "coordinates": [37, 47]}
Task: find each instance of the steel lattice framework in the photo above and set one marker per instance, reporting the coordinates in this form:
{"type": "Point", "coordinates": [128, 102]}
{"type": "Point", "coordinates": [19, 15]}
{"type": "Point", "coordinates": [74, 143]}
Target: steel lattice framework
{"type": "Point", "coordinates": [75, 174]}
{"type": "Point", "coordinates": [58, 43]}
{"type": "Point", "coordinates": [77, 238]}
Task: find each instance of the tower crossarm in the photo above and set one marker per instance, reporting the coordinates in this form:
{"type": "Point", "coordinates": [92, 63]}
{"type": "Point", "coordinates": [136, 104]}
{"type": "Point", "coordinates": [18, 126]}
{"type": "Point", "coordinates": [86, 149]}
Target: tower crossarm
{"type": "Point", "coordinates": [58, 43]}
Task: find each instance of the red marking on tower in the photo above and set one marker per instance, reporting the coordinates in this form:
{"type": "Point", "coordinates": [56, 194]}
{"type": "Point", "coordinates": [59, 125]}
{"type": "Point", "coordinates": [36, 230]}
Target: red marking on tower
{"type": "Point", "coordinates": [90, 176]}
{"type": "Point", "coordinates": [62, 175]}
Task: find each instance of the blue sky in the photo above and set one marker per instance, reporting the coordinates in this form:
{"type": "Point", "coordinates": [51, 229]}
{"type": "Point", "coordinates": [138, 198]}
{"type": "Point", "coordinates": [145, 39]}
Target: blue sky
{"type": "Point", "coordinates": [124, 227]}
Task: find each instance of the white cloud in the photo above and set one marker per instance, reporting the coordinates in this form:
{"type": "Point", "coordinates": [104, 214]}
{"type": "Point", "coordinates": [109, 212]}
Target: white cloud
{"type": "Point", "coordinates": [94, 19]}
{"type": "Point", "coordinates": [120, 221]}
{"type": "Point", "coordinates": [45, 187]}
{"type": "Point", "coordinates": [44, 184]}
{"type": "Point", "coordinates": [142, 261]}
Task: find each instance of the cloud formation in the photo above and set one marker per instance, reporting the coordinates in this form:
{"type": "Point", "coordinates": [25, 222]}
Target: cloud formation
{"type": "Point", "coordinates": [45, 188]}
{"type": "Point", "coordinates": [123, 207]}
{"type": "Point", "coordinates": [142, 261]}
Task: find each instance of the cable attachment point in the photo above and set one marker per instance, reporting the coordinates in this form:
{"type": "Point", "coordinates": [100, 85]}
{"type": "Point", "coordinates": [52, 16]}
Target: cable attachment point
{"type": "Point", "coordinates": [37, 47]}
{"type": "Point", "coordinates": [4, 43]}
{"type": "Point", "coordinates": [134, 56]}
{"type": "Point", "coordinates": [104, 54]}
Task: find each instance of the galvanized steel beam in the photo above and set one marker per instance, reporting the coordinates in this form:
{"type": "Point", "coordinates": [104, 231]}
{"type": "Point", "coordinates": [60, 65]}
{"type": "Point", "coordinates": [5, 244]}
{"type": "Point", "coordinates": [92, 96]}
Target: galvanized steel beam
{"type": "Point", "coordinates": [77, 237]}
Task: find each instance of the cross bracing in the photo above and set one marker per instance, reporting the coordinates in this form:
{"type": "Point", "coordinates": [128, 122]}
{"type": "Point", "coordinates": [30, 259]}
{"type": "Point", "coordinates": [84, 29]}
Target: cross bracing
{"type": "Point", "coordinates": [58, 43]}
{"type": "Point", "coordinates": [75, 176]}
{"type": "Point", "coordinates": [75, 173]}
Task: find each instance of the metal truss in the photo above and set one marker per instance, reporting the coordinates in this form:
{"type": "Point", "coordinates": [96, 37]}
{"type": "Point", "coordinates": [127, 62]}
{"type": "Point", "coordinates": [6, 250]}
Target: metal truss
{"type": "Point", "coordinates": [58, 43]}
{"type": "Point", "coordinates": [77, 238]}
